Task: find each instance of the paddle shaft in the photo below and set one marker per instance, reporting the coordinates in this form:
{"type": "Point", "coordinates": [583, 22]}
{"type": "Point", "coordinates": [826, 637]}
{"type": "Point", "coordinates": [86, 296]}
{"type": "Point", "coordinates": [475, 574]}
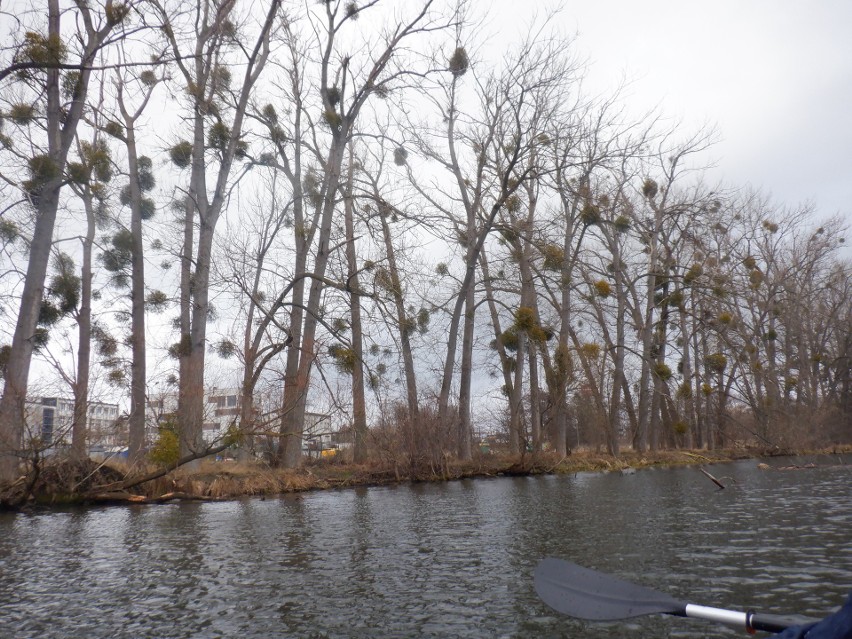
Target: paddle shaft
{"type": "Point", "coordinates": [751, 621]}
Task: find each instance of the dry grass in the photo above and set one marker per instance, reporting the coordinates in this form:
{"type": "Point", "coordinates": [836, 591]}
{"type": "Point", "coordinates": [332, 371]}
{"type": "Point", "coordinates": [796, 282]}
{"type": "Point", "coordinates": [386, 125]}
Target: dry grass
{"type": "Point", "coordinates": [225, 480]}
{"type": "Point", "coordinates": [228, 480]}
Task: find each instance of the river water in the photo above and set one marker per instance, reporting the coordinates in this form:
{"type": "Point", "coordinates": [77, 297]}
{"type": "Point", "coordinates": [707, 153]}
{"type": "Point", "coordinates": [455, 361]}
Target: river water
{"type": "Point", "coordinates": [432, 560]}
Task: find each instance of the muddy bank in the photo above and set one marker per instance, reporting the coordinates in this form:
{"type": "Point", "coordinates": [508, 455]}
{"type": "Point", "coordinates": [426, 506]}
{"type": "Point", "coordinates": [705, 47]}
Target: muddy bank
{"type": "Point", "coordinates": [62, 483]}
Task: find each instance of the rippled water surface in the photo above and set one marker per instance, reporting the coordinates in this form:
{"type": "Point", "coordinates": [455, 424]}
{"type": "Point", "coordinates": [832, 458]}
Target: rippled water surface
{"type": "Point", "coordinates": [431, 560]}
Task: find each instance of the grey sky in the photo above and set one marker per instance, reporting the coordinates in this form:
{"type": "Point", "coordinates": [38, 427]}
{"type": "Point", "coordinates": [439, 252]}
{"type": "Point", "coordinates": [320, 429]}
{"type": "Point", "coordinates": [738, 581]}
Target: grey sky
{"type": "Point", "coordinates": [775, 76]}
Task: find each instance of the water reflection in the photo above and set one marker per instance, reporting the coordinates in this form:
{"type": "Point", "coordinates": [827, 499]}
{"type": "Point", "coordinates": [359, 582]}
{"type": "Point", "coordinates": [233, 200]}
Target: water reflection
{"type": "Point", "coordinates": [439, 560]}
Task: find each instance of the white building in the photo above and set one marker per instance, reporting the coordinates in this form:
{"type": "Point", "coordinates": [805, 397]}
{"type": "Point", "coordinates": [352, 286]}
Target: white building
{"type": "Point", "coordinates": [50, 419]}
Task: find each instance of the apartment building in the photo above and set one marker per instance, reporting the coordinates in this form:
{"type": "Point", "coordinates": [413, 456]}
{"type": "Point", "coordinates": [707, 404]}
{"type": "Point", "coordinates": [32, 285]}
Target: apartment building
{"type": "Point", "coordinates": [50, 419]}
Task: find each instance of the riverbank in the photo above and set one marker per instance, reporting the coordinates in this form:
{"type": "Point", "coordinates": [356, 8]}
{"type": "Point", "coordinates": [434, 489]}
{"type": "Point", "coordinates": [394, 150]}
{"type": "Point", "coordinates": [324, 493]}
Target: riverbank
{"type": "Point", "coordinates": [218, 482]}
{"type": "Point", "coordinates": [66, 483]}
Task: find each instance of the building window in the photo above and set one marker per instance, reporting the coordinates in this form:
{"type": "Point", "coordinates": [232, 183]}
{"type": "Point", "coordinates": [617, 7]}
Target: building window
{"type": "Point", "coordinates": [232, 401]}
{"type": "Point", "coordinates": [47, 426]}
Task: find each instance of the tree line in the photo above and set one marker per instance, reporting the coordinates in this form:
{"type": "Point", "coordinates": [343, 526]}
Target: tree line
{"type": "Point", "coordinates": [363, 201]}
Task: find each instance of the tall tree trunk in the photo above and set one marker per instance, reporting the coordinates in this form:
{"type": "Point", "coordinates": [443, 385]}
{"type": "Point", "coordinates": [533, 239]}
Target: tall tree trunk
{"type": "Point", "coordinates": [517, 441]}
{"type": "Point", "coordinates": [649, 387]}
{"type": "Point", "coordinates": [709, 421]}
{"type": "Point", "coordinates": [508, 383]}
{"type": "Point", "coordinates": [61, 128]}
{"type": "Point", "coordinates": [191, 389]}
{"type": "Point", "coordinates": [250, 357]}
{"type": "Point", "coordinates": [475, 240]}
{"type": "Point", "coordinates": [302, 242]}
{"type": "Point", "coordinates": [138, 377]}
{"type": "Point", "coordinates": [359, 405]}
{"type": "Point", "coordinates": [688, 389]}
{"type": "Point", "coordinates": [293, 417]}
{"type": "Point", "coordinates": [13, 403]}
{"type": "Point", "coordinates": [472, 258]}
{"type": "Point", "coordinates": [562, 371]}
{"type": "Point", "coordinates": [773, 383]}
{"type": "Point", "coordinates": [700, 397]}
{"type": "Point", "coordinates": [629, 404]}
{"type": "Point", "coordinates": [659, 361]}
{"type": "Point", "coordinates": [465, 428]}
{"type": "Point", "coordinates": [528, 301]}
{"type": "Point", "coordinates": [192, 419]}
{"type": "Point", "coordinates": [535, 401]}
{"type": "Point", "coordinates": [79, 448]}
{"type": "Point", "coordinates": [645, 391]}
{"type": "Point", "coordinates": [618, 376]}
{"type": "Point", "coordinates": [199, 70]}
{"type": "Point", "coordinates": [290, 400]}
{"type": "Point", "coordinates": [186, 292]}
{"type": "Point", "coordinates": [403, 323]}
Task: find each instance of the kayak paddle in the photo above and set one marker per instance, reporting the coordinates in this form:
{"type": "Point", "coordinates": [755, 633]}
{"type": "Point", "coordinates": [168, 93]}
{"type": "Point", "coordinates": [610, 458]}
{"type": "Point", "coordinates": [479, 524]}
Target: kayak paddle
{"type": "Point", "coordinates": [595, 596]}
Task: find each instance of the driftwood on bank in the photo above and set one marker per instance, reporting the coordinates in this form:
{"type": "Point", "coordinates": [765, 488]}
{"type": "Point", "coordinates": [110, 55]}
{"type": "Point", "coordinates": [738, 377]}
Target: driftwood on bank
{"type": "Point", "coordinates": [124, 497]}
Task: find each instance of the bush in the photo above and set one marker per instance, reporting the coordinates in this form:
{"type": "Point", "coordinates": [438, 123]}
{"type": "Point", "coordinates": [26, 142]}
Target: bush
{"type": "Point", "coordinates": [166, 450]}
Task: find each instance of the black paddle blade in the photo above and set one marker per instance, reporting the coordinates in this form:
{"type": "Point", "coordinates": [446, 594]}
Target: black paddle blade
{"type": "Point", "coordinates": [589, 594]}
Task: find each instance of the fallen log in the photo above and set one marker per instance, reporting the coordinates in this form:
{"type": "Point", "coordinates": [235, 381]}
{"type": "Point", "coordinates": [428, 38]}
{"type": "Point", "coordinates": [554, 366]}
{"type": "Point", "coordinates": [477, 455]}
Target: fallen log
{"type": "Point", "coordinates": [179, 496]}
{"type": "Point", "coordinates": [123, 497]}
{"type": "Point", "coordinates": [117, 497]}
{"type": "Point", "coordinates": [713, 479]}
{"type": "Point", "coordinates": [133, 481]}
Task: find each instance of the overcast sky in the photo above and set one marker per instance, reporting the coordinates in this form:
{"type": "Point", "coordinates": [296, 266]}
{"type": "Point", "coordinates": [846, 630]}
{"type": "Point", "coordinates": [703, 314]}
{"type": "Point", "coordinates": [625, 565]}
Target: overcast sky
{"type": "Point", "coordinates": [775, 76]}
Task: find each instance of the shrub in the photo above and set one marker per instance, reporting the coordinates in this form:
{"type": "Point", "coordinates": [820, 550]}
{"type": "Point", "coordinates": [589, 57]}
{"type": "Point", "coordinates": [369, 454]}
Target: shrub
{"type": "Point", "coordinates": [166, 449]}
{"type": "Point", "coordinates": [680, 427]}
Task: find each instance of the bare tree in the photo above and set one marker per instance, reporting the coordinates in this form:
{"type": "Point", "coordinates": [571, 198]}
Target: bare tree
{"type": "Point", "coordinates": [345, 82]}
{"type": "Point", "coordinates": [660, 217]}
{"type": "Point", "coordinates": [93, 172]}
{"type": "Point", "coordinates": [49, 49]}
{"type": "Point", "coordinates": [141, 181]}
{"type": "Point", "coordinates": [389, 276]}
{"type": "Point", "coordinates": [250, 260]}
{"type": "Point", "coordinates": [203, 40]}
{"type": "Point", "coordinates": [491, 143]}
